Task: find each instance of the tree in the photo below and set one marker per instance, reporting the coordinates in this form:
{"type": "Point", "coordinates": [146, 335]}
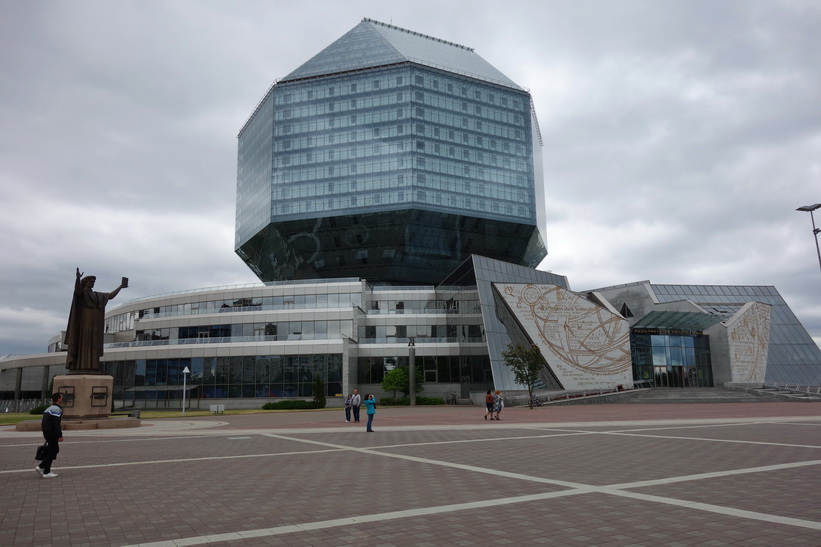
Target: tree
{"type": "Point", "coordinates": [319, 391]}
{"type": "Point", "coordinates": [526, 362]}
{"type": "Point", "coordinates": [398, 379]}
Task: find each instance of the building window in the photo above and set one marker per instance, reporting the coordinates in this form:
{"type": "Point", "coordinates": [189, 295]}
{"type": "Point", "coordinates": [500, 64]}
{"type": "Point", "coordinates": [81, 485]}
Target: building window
{"type": "Point", "coordinates": [376, 84]}
{"type": "Point", "coordinates": [353, 88]}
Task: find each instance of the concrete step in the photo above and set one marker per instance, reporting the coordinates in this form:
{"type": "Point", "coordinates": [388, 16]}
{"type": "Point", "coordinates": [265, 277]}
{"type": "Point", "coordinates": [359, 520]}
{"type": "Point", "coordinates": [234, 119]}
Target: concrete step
{"type": "Point", "coordinates": [692, 395]}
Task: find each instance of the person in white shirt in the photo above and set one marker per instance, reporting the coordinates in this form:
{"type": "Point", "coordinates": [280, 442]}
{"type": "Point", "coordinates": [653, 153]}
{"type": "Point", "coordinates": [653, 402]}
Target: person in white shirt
{"type": "Point", "coordinates": [356, 402]}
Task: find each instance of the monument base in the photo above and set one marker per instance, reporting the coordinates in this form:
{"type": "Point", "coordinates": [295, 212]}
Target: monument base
{"type": "Point", "coordinates": [76, 425]}
{"type": "Point", "coordinates": [85, 396]}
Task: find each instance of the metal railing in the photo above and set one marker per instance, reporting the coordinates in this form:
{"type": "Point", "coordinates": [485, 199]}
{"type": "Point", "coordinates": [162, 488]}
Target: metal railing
{"type": "Point", "coordinates": [552, 396]}
{"type": "Point", "coordinates": [798, 388]}
{"type": "Point", "coordinates": [21, 405]}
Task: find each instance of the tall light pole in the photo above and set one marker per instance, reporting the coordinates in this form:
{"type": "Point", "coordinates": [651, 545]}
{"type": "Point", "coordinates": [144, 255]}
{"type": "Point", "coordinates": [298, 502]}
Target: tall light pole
{"type": "Point", "coordinates": [815, 231]}
{"type": "Point", "coordinates": [412, 371]}
{"type": "Point", "coordinates": [185, 373]}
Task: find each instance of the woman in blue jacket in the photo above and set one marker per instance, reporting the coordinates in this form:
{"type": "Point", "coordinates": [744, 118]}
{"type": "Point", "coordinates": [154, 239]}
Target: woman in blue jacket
{"type": "Point", "coordinates": [370, 404]}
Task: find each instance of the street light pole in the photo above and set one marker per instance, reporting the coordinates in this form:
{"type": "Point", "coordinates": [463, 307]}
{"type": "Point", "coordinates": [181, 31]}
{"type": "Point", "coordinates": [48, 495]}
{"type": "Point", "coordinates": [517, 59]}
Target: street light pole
{"type": "Point", "coordinates": [815, 231]}
{"type": "Point", "coordinates": [185, 373]}
{"type": "Point", "coordinates": [412, 370]}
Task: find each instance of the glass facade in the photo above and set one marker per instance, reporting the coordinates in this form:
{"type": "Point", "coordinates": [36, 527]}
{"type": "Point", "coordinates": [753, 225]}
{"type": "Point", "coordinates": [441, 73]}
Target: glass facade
{"type": "Point", "coordinates": [671, 360]}
{"type": "Point", "coordinates": [392, 169]}
{"type": "Point", "coordinates": [212, 377]}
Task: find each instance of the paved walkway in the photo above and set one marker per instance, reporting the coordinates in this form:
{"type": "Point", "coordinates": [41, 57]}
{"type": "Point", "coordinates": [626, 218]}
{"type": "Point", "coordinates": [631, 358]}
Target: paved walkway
{"type": "Point", "coordinates": [671, 474]}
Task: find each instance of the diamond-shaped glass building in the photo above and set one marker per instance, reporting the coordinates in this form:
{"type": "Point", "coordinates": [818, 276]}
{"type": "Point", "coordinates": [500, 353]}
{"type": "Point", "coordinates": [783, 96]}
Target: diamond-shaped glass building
{"type": "Point", "coordinates": [391, 156]}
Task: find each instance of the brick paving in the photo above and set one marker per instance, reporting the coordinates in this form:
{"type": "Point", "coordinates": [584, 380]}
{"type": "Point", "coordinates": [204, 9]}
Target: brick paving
{"type": "Point", "coordinates": [621, 474]}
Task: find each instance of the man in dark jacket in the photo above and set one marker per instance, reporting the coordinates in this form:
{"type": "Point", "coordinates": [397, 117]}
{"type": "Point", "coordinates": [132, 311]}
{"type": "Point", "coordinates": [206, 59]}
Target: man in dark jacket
{"type": "Point", "coordinates": [53, 433]}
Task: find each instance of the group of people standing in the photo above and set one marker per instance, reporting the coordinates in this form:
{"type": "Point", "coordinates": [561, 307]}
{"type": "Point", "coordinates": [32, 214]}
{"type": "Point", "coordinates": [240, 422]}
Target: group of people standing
{"type": "Point", "coordinates": [494, 403]}
{"type": "Point", "coordinates": [353, 404]}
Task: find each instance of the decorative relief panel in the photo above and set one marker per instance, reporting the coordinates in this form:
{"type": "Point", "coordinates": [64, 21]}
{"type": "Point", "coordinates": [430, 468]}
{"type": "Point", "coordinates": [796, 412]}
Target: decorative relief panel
{"type": "Point", "coordinates": [585, 345]}
{"type": "Point", "coordinates": [748, 335]}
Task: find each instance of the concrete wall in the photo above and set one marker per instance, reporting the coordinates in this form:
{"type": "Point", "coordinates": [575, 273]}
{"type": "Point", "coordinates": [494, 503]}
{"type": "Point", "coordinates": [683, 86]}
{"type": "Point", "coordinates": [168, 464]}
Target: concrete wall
{"type": "Point", "coordinates": [585, 344]}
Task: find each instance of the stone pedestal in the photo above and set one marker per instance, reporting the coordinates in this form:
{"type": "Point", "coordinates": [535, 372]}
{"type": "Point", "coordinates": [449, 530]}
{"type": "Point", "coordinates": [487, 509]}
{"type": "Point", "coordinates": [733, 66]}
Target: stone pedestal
{"type": "Point", "coordinates": [85, 395]}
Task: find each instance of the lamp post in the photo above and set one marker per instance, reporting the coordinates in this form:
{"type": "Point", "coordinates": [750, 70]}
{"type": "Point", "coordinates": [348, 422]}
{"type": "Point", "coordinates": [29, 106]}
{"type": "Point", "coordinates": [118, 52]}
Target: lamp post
{"type": "Point", "coordinates": [412, 370]}
{"type": "Point", "coordinates": [185, 373]}
{"type": "Point", "coordinates": [815, 231]}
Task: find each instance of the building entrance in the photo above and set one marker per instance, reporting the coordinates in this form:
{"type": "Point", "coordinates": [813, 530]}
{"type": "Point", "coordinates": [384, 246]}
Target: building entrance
{"type": "Point", "coordinates": [671, 360]}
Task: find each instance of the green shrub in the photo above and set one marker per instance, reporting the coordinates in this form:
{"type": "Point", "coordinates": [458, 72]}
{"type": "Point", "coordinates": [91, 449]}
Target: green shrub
{"type": "Point", "coordinates": [319, 391]}
{"type": "Point", "coordinates": [405, 401]}
{"type": "Point", "coordinates": [427, 401]}
{"type": "Point", "coordinates": [291, 405]}
{"type": "Point", "coordinates": [39, 409]}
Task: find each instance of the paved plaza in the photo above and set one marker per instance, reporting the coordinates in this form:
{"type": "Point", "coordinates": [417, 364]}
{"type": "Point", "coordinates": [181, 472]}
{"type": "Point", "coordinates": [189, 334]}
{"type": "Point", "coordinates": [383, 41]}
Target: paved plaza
{"type": "Point", "coordinates": [618, 474]}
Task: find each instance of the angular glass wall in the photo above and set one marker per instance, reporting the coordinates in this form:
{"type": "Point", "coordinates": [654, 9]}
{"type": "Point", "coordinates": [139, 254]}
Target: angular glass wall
{"type": "Point", "coordinates": [793, 356]}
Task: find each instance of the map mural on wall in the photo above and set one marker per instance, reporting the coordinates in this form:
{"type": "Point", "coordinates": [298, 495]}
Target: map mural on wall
{"type": "Point", "coordinates": [748, 335]}
{"type": "Point", "coordinates": [585, 345]}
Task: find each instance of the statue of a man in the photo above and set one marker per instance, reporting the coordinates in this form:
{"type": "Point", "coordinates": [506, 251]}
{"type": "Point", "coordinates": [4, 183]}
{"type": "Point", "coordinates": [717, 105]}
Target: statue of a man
{"type": "Point", "coordinates": [86, 325]}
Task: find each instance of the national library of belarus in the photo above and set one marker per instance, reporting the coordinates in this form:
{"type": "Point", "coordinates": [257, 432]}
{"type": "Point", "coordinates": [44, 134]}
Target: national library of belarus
{"type": "Point", "coordinates": [390, 194]}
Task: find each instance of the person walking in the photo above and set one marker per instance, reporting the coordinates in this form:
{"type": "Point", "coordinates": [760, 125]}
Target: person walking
{"type": "Point", "coordinates": [348, 408]}
{"type": "Point", "coordinates": [498, 403]}
{"type": "Point", "coordinates": [489, 404]}
{"type": "Point", "coordinates": [53, 433]}
{"type": "Point", "coordinates": [356, 402]}
{"type": "Point", "coordinates": [370, 410]}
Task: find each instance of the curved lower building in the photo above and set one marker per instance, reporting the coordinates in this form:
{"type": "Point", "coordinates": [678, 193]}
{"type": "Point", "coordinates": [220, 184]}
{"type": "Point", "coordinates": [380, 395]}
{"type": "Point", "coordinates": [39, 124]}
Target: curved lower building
{"type": "Point", "coordinates": [246, 345]}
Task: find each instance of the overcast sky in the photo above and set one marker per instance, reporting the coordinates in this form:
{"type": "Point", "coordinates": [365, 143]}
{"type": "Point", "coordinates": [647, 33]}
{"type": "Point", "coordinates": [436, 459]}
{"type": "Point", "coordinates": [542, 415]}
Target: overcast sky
{"type": "Point", "coordinates": [679, 137]}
